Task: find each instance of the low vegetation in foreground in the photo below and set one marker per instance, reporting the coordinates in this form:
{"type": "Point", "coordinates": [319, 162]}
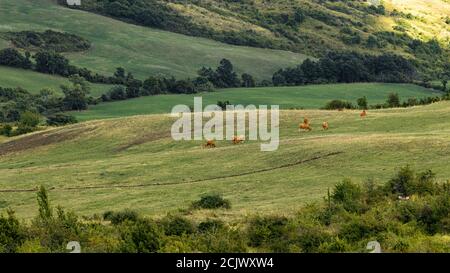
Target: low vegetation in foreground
{"type": "Point", "coordinates": [408, 213]}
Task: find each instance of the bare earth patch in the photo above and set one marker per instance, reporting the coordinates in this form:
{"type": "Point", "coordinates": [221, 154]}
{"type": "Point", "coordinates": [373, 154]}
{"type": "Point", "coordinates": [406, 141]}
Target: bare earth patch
{"type": "Point", "coordinates": [41, 139]}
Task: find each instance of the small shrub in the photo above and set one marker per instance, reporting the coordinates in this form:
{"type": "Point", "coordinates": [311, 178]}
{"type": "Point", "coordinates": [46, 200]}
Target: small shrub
{"type": "Point", "coordinates": [210, 226]}
{"type": "Point", "coordinates": [362, 103]}
{"type": "Point", "coordinates": [6, 130]}
{"type": "Point", "coordinates": [60, 119]}
{"type": "Point", "coordinates": [142, 236]}
{"type": "Point", "coordinates": [29, 119]}
{"type": "Point", "coordinates": [212, 201]}
{"type": "Point", "coordinates": [311, 238]}
{"type": "Point", "coordinates": [121, 216]}
{"type": "Point", "coordinates": [349, 195]}
{"type": "Point", "coordinates": [263, 230]}
{"type": "Point", "coordinates": [222, 241]}
{"type": "Point", "coordinates": [393, 100]}
{"type": "Point", "coordinates": [11, 234]}
{"type": "Point", "coordinates": [338, 105]}
{"type": "Point", "coordinates": [177, 226]}
{"type": "Point", "coordinates": [403, 182]}
{"type": "Point", "coordinates": [223, 104]}
{"type": "Point", "coordinates": [425, 183]}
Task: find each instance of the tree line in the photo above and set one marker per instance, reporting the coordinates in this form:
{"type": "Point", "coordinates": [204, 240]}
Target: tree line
{"type": "Point", "coordinates": [207, 80]}
{"type": "Point", "coordinates": [51, 62]}
{"type": "Point", "coordinates": [393, 101]}
{"type": "Point", "coordinates": [348, 67]}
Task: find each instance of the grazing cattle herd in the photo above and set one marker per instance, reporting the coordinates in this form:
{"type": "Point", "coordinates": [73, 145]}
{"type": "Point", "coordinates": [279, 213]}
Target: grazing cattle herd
{"type": "Point", "coordinates": [305, 126]}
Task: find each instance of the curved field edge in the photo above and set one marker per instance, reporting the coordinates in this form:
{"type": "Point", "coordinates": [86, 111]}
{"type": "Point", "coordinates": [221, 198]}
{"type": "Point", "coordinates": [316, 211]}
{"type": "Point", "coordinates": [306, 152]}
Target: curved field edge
{"type": "Point", "coordinates": [296, 97]}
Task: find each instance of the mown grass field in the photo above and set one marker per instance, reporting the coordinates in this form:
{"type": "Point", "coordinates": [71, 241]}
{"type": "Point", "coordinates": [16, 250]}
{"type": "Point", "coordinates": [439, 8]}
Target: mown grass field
{"type": "Point", "coordinates": [34, 82]}
{"type": "Point", "coordinates": [143, 51]}
{"type": "Point", "coordinates": [306, 97]}
{"type": "Point", "coordinates": [133, 162]}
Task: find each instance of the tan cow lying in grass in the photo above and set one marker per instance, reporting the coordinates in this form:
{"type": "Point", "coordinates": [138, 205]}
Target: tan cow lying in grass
{"type": "Point", "coordinates": [210, 144]}
{"type": "Point", "coordinates": [238, 139]}
{"type": "Point", "coordinates": [325, 125]}
{"type": "Point", "coordinates": [305, 125]}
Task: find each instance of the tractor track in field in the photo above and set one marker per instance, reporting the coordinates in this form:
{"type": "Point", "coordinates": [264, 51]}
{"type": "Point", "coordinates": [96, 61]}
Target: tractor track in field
{"type": "Point", "coordinates": [122, 186]}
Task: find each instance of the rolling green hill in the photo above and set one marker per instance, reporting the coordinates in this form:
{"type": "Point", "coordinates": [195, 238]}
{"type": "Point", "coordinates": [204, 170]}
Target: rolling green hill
{"type": "Point", "coordinates": [143, 51]}
{"type": "Point", "coordinates": [34, 81]}
{"type": "Point", "coordinates": [133, 162]}
{"type": "Point", "coordinates": [412, 28]}
{"type": "Point", "coordinates": [307, 97]}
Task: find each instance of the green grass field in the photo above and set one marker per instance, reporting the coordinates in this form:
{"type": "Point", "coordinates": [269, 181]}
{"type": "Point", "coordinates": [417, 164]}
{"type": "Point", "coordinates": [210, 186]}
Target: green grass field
{"type": "Point", "coordinates": [133, 162]}
{"type": "Point", "coordinates": [144, 51]}
{"type": "Point", "coordinates": [306, 97]}
{"type": "Point", "coordinates": [34, 82]}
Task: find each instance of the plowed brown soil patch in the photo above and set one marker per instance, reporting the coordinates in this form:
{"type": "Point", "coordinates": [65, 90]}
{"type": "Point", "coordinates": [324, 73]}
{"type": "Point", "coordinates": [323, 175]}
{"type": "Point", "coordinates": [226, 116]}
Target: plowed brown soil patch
{"type": "Point", "coordinates": [40, 139]}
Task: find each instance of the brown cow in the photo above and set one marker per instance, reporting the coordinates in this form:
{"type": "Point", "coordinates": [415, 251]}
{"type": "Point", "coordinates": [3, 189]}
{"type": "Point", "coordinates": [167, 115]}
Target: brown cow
{"type": "Point", "coordinates": [210, 144]}
{"type": "Point", "coordinates": [305, 125]}
{"type": "Point", "coordinates": [325, 125]}
{"type": "Point", "coordinates": [363, 114]}
{"type": "Point", "coordinates": [238, 139]}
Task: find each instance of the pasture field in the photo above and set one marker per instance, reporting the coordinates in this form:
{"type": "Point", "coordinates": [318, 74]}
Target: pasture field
{"type": "Point", "coordinates": [143, 51]}
{"type": "Point", "coordinates": [34, 81]}
{"type": "Point", "coordinates": [132, 162]}
{"type": "Point", "coordinates": [306, 97]}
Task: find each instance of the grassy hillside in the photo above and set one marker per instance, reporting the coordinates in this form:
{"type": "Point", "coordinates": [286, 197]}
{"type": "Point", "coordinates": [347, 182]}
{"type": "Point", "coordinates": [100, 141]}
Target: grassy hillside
{"type": "Point", "coordinates": [34, 82]}
{"type": "Point", "coordinates": [308, 26]}
{"type": "Point", "coordinates": [307, 97]}
{"type": "Point", "coordinates": [132, 162]}
{"type": "Point", "coordinates": [141, 50]}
